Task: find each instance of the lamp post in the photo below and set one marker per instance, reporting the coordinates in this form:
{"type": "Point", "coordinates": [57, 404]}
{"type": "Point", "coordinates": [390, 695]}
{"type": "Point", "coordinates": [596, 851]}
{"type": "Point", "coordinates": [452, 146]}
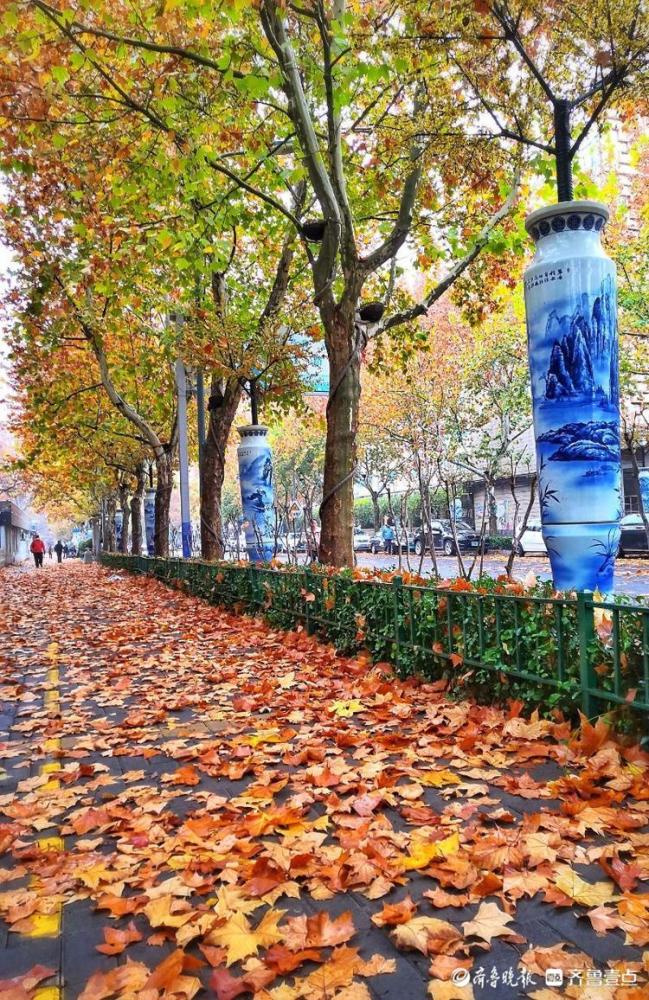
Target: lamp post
{"type": "Point", "coordinates": [256, 481]}
{"type": "Point", "coordinates": [570, 302]}
{"type": "Point", "coordinates": [183, 459]}
{"type": "Point", "coordinates": [200, 425]}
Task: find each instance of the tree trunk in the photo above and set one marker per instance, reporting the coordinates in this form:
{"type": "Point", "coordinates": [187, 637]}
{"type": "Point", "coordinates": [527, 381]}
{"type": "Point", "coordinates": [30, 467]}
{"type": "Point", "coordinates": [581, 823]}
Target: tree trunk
{"type": "Point", "coordinates": [136, 513]}
{"type": "Point", "coordinates": [337, 507]}
{"type": "Point", "coordinates": [644, 514]}
{"type": "Point", "coordinates": [126, 516]}
{"type": "Point", "coordinates": [375, 508]}
{"type": "Point", "coordinates": [164, 486]}
{"type": "Point", "coordinates": [519, 530]}
{"type": "Point", "coordinates": [223, 406]}
{"type": "Point", "coordinates": [109, 541]}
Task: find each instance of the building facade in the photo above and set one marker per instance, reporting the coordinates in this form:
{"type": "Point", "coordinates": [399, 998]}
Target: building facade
{"type": "Point", "coordinates": [501, 505]}
{"type": "Point", "coordinates": [15, 534]}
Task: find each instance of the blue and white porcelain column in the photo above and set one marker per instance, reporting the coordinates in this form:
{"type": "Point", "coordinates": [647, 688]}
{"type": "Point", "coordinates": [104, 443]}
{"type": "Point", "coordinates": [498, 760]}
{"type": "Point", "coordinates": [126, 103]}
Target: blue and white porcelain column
{"type": "Point", "coordinates": [643, 483]}
{"type": "Point", "coordinates": [570, 300]}
{"type": "Point", "coordinates": [149, 520]}
{"type": "Point", "coordinates": [119, 523]}
{"type": "Point", "coordinates": [256, 480]}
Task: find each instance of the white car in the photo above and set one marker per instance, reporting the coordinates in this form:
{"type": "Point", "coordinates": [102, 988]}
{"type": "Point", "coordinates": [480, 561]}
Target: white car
{"type": "Point", "coordinates": [531, 542]}
{"type": "Point", "coordinates": [363, 540]}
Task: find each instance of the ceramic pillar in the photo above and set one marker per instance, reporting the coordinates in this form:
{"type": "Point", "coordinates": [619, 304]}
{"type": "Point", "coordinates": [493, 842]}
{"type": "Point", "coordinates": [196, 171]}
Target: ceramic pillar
{"type": "Point", "coordinates": [570, 300]}
{"type": "Point", "coordinates": [119, 523]}
{"type": "Point", "coordinates": [643, 483]}
{"type": "Point", "coordinates": [256, 480]}
{"type": "Point", "coordinates": [149, 520]}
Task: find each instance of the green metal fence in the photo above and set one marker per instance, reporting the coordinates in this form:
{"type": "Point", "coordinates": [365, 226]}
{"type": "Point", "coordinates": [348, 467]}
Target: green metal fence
{"type": "Point", "coordinates": [562, 652]}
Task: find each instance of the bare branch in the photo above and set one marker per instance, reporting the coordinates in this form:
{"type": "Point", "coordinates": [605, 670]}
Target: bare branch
{"type": "Point", "coordinates": [482, 239]}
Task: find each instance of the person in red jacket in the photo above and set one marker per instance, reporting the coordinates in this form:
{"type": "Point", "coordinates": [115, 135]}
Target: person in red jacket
{"type": "Point", "coordinates": [37, 549]}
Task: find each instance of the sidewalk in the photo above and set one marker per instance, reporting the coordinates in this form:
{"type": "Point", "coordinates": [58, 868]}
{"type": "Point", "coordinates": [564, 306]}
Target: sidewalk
{"type": "Point", "coordinates": [193, 804]}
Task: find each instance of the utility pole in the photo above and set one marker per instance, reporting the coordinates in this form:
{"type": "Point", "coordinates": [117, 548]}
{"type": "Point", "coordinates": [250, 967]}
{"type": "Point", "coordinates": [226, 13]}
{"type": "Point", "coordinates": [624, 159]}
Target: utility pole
{"type": "Point", "coordinates": [200, 417]}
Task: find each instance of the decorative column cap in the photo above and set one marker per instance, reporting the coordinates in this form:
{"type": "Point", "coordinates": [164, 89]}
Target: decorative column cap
{"type": "Point", "coordinates": [566, 216]}
{"type": "Point", "coordinates": [253, 430]}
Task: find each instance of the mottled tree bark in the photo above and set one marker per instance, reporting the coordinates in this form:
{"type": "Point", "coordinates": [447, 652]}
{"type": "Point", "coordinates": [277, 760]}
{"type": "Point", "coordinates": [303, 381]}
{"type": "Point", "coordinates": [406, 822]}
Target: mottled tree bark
{"type": "Point", "coordinates": [223, 403]}
{"type": "Point", "coordinates": [164, 486]}
{"type": "Point", "coordinates": [126, 517]}
{"type": "Point", "coordinates": [136, 512]}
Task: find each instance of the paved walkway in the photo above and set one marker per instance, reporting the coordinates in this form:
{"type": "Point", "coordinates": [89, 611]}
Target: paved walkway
{"type": "Point", "coordinates": [193, 804]}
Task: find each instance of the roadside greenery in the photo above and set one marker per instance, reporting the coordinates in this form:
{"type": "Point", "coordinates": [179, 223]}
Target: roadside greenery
{"type": "Point", "coordinates": [492, 639]}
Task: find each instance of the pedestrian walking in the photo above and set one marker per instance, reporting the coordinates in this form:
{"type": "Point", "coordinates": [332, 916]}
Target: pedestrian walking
{"type": "Point", "coordinates": [65, 551]}
{"type": "Point", "coordinates": [37, 549]}
{"type": "Point", "coordinates": [387, 534]}
{"type": "Point", "coordinates": [49, 551]}
{"type": "Point", "coordinates": [58, 548]}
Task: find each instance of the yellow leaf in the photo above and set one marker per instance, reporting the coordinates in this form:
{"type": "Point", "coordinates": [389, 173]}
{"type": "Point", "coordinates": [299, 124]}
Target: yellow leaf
{"type": "Point", "coordinates": [230, 900]}
{"type": "Point", "coordinates": [168, 912]}
{"type": "Point", "coordinates": [241, 940]}
{"type": "Point", "coordinates": [436, 779]}
{"type": "Point", "coordinates": [586, 893]}
{"type": "Point", "coordinates": [422, 853]}
{"type": "Point", "coordinates": [345, 709]}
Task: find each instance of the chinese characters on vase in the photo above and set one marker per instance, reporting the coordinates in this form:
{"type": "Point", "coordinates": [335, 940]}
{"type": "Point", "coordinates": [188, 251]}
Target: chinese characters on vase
{"type": "Point", "coordinates": [570, 300]}
{"type": "Point", "coordinates": [256, 480]}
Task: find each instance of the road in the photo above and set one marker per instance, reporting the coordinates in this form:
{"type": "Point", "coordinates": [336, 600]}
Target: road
{"type": "Point", "coordinates": [631, 576]}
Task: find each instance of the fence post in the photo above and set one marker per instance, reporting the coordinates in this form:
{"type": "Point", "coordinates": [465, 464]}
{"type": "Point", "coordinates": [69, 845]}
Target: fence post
{"type": "Point", "coordinates": [308, 622]}
{"type": "Point", "coordinates": [397, 605]}
{"type": "Point", "coordinates": [252, 579]}
{"type": "Point", "coordinates": [586, 628]}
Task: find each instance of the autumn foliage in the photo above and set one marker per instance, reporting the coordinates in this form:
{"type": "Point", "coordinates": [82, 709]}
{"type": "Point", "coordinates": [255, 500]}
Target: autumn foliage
{"type": "Point", "coordinates": [249, 813]}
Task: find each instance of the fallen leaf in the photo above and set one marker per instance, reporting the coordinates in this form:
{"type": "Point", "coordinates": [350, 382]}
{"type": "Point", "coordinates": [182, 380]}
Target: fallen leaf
{"type": "Point", "coordinates": [488, 923]}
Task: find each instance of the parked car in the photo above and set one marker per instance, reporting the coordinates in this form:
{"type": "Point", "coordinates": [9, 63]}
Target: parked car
{"type": "Point", "coordinates": [291, 543]}
{"type": "Point", "coordinates": [230, 539]}
{"type": "Point", "coordinates": [377, 543]}
{"type": "Point", "coordinates": [442, 532]}
{"type": "Point", "coordinates": [531, 542]}
{"type": "Point", "coordinates": [363, 540]}
{"type": "Point", "coordinates": [633, 537]}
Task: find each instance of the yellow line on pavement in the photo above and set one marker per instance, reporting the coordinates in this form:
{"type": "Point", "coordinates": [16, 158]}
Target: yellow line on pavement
{"type": "Point", "coordinates": [46, 924]}
{"type": "Point", "coordinates": [48, 993]}
{"type": "Point", "coordinates": [52, 767]}
{"type": "Point", "coordinates": [51, 701]}
{"type": "Point", "coordinates": [49, 924]}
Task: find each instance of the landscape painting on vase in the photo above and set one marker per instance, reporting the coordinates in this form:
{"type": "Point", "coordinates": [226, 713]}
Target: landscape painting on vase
{"type": "Point", "coordinates": [256, 477]}
{"type": "Point", "coordinates": [573, 352]}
